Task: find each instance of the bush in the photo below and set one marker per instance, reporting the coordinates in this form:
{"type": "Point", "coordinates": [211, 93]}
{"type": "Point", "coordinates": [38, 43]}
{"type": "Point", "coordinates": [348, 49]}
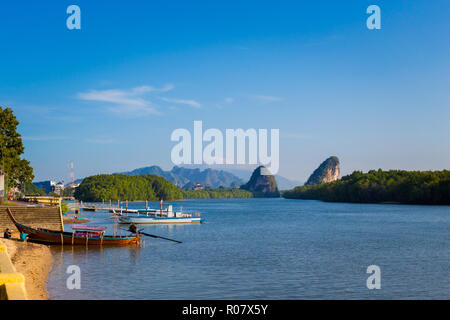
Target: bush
{"type": "Point", "coordinates": [217, 193]}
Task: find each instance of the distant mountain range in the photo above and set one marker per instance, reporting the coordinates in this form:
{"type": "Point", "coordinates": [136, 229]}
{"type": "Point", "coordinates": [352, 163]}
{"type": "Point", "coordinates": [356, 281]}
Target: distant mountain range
{"type": "Point", "coordinates": [184, 177]}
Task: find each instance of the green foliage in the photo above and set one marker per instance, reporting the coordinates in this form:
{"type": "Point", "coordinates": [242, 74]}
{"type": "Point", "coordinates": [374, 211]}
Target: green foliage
{"type": "Point", "coordinates": [53, 194]}
{"type": "Point", "coordinates": [64, 207]}
{"type": "Point", "coordinates": [124, 187]}
{"type": "Point", "coordinates": [18, 171]}
{"type": "Point", "coordinates": [68, 191]}
{"type": "Point", "coordinates": [216, 193]}
{"type": "Point", "coordinates": [30, 189]}
{"type": "Point", "coordinates": [412, 187]}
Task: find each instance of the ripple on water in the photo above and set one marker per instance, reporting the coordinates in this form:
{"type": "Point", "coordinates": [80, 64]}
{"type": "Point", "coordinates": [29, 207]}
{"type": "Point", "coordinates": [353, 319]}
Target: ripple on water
{"type": "Point", "coordinates": [271, 249]}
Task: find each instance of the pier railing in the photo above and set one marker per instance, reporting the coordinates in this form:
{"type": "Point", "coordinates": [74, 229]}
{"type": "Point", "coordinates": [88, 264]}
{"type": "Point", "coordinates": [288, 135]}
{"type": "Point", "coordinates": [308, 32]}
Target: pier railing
{"type": "Point", "coordinates": [49, 201]}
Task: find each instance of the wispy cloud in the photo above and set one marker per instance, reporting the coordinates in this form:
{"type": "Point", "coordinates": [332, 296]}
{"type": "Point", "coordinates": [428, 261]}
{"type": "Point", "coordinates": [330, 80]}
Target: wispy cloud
{"type": "Point", "coordinates": [265, 99]}
{"type": "Point", "coordinates": [124, 101]}
{"type": "Point", "coordinates": [225, 102]}
{"type": "Point", "coordinates": [131, 101]}
{"type": "Point", "coordinates": [191, 103]}
{"type": "Point", "coordinates": [134, 101]}
{"type": "Point", "coordinates": [145, 89]}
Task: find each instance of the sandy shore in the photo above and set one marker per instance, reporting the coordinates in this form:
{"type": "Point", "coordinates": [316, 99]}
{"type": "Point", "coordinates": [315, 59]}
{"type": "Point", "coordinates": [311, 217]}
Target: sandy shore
{"type": "Point", "coordinates": [34, 261]}
{"type": "Point", "coordinates": [70, 220]}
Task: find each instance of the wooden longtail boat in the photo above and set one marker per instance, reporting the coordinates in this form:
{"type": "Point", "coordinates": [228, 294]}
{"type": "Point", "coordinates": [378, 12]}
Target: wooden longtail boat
{"type": "Point", "coordinates": [89, 236]}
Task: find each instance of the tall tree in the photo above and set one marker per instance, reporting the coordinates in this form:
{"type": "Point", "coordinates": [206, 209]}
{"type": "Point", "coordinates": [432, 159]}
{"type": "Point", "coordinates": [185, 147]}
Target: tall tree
{"type": "Point", "coordinates": [18, 171]}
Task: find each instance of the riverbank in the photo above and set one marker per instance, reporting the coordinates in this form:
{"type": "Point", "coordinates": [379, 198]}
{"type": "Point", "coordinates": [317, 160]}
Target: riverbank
{"type": "Point", "coordinates": [34, 261]}
{"type": "Point", "coordinates": [72, 220]}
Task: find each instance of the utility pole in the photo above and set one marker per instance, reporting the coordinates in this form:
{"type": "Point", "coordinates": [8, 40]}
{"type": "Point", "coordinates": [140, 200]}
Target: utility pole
{"type": "Point", "coordinates": [72, 175]}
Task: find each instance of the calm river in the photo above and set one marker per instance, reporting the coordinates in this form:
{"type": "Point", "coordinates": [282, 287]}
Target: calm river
{"type": "Point", "coordinates": [270, 249]}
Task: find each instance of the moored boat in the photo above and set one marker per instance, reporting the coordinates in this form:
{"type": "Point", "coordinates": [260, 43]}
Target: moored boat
{"type": "Point", "coordinates": [123, 210]}
{"type": "Point", "coordinates": [158, 220]}
{"type": "Point", "coordinates": [83, 235]}
{"type": "Point", "coordinates": [167, 216]}
{"type": "Point", "coordinates": [89, 208]}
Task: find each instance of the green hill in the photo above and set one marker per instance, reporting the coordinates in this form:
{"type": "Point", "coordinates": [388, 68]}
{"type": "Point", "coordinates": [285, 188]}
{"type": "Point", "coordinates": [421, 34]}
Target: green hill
{"type": "Point", "coordinates": [126, 187]}
{"type": "Point", "coordinates": [30, 189]}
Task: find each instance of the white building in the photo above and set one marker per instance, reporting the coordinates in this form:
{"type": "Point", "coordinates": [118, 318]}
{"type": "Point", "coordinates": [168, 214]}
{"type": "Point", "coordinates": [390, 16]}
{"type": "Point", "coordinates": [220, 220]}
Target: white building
{"type": "Point", "coordinates": [59, 188]}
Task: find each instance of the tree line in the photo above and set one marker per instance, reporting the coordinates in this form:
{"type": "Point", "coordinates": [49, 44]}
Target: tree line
{"type": "Point", "coordinates": [376, 186]}
{"type": "Point", "coordinates": [216, 193]}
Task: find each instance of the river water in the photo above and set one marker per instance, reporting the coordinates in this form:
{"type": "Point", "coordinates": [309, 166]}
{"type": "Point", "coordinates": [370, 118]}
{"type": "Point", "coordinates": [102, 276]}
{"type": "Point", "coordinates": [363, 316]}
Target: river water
{"type": "Point", "coordinates": [270, 249]}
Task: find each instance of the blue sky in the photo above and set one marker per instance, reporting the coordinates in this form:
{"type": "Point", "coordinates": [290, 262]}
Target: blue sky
{"type": "Point", "coordinates": [109, 95]}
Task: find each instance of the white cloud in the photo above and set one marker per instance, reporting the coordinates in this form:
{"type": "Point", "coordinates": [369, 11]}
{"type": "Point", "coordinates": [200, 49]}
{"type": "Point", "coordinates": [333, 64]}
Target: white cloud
{"type": "Point", "coordinates": [145, 89]}
{"type": "Point", "coordinates": [134, 101]}
{"type": "Point", "coordinates": [265, 99]}
{"type": "Point", "coordinates": [229, 100]}
{"type": "Point", "coordinates": [191, 103]}
{"type": "Point", "coordinates": [130, 101]}
{"type": "Point", "coordinates": [123, 101]}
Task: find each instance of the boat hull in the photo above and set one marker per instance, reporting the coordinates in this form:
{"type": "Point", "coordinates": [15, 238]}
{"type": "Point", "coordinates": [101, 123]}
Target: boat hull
{"type": "Point", "coordinates": [68, 238]}
{"type": "Point", "coordinates": [159, 220]}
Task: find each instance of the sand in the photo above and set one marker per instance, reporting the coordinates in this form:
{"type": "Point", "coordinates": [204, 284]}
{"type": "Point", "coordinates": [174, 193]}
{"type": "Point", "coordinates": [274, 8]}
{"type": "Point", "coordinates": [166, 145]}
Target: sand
{"type": "Point", "coordinates": [70, 220]}
{"type": "Point", "coordinates": [34, 261]}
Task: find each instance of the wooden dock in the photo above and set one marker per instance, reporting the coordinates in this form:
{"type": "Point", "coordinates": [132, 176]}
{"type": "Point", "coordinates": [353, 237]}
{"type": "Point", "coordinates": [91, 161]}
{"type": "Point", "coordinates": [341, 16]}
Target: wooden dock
{"type": "Point", "coordinates": [120, 206]}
